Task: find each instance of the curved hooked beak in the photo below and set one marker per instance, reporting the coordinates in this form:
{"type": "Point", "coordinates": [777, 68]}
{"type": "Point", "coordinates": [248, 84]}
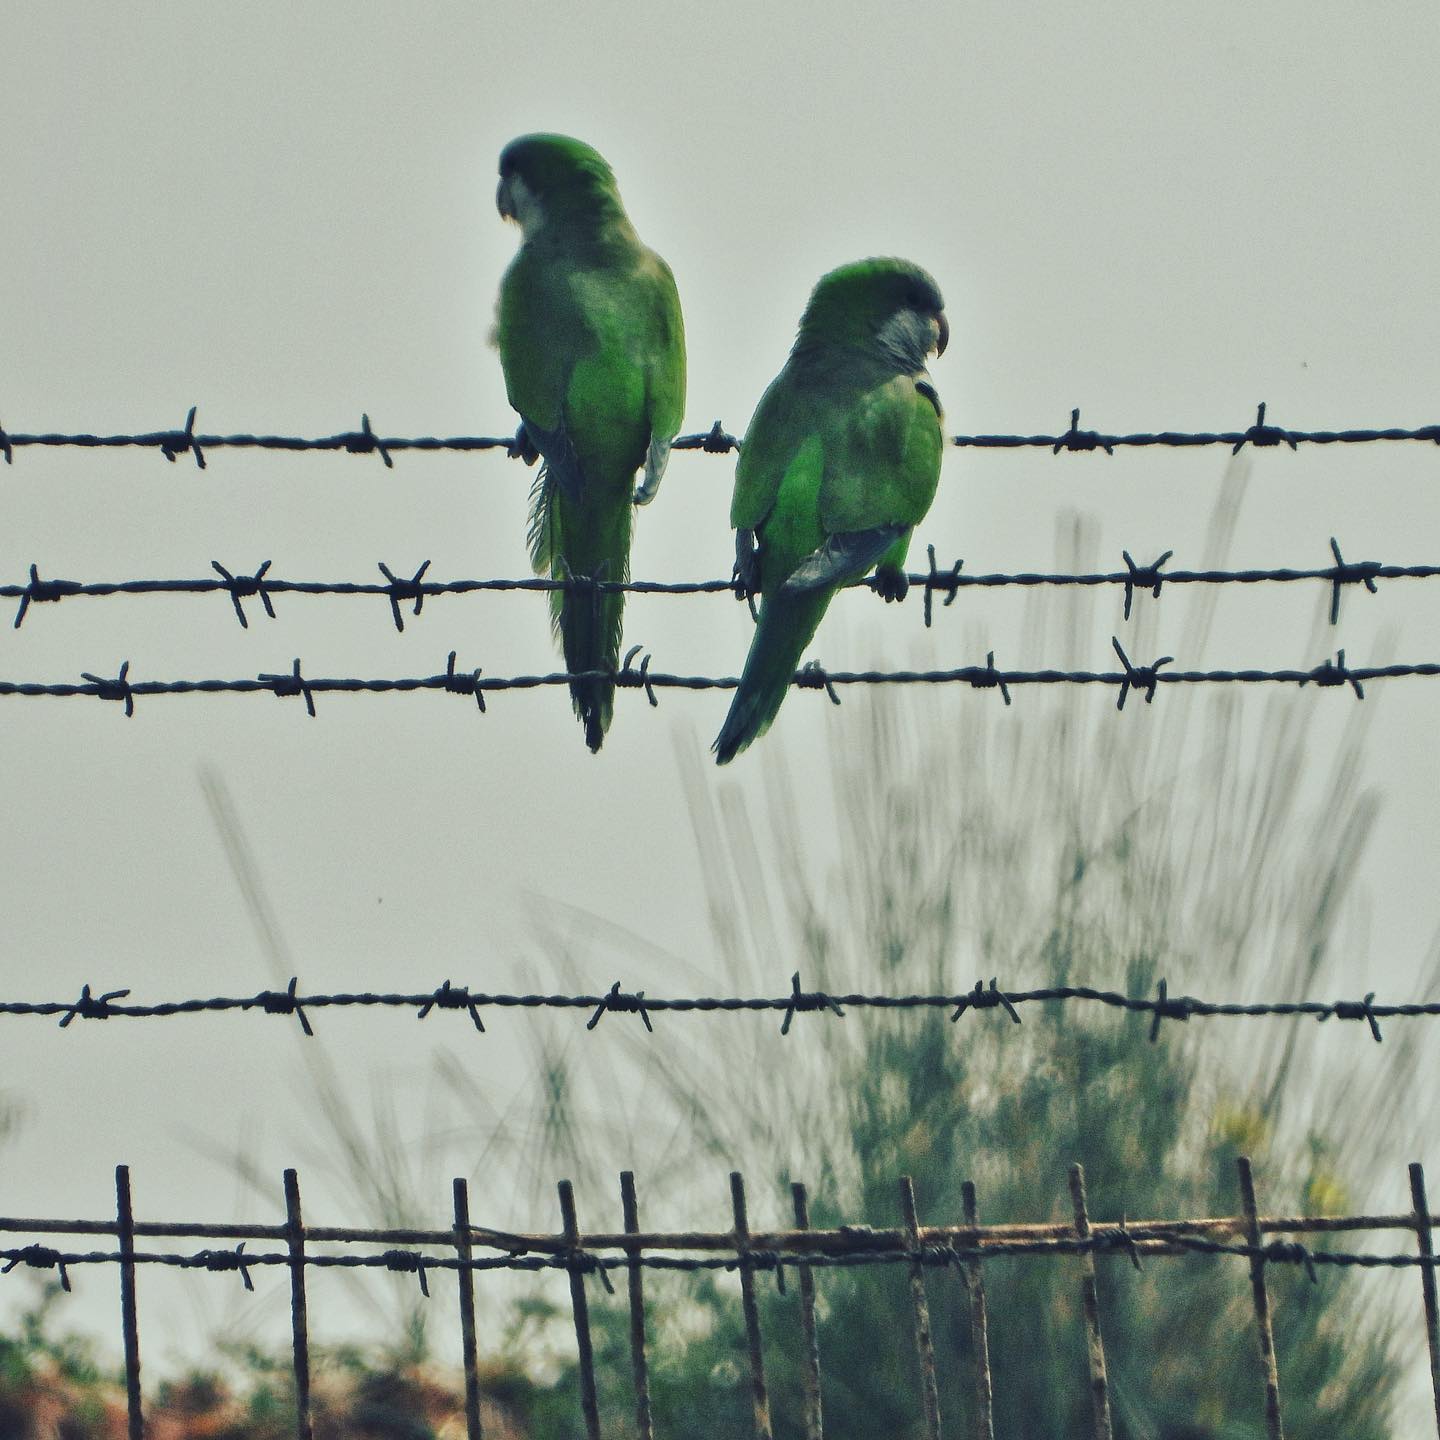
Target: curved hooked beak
{"type": "Point", "coordinates": [942, 333]}
{"type": "Point", "coordinates": [503, 202]}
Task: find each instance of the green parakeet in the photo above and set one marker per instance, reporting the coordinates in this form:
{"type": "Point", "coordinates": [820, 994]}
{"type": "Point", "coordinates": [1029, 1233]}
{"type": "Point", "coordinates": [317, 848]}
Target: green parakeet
{"type": "Point", "coordinates": [593, 347]}
{"type": "Point", "coordinates": [838, 466]}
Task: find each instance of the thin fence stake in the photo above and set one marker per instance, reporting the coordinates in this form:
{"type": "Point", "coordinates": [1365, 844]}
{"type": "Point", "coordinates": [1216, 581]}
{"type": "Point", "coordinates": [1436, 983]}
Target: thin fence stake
{"type": "Point", "coordinates": [979, 1324]}
{"type": "Point", "coordinates": [129, 1317]}
{"type": "Point", "coordinates": [924, 1347]}
{"type": "Point", "coordinates": [466, 1277]}
{"type": "Point", "coordinates": [299, 1320]}
{"type": "Point", "coordinates": [759, 1393]}
{"type": "Point", "coordinates": [588, 1402]}
{"type": "Point", "coordinates": [1095, 1344]}
{"type": "Point", "coordinates": [639, 1366]}
{"type": "Point", "coordinates": [814, 1411]}
{"type": "Point", "coordinates": [1266, 1336]}
{"type": "Point", "coordinates": [1427, 1279]}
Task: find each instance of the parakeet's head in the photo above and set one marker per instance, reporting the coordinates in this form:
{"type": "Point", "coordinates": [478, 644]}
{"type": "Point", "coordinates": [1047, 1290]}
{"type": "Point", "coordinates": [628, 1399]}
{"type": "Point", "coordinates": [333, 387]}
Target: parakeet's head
{"type": "Point", "coordinates": [886, 302]}
{"type": "Point", "coordinates": [545, 175]}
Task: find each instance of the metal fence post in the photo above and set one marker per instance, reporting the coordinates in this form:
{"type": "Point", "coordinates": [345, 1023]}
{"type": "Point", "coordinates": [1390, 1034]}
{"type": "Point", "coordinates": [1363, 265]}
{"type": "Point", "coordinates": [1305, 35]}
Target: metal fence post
{"type": "Point", "coordinates": [979, 1324]}
{"type": "Point", "coordinates": [299, 1320]}
{"type": "Point", "coordinates": [1427, 1279]}
{"type": "Point", "coordinates": [589, 1404]}
{"type": "Point", "coordinates": [466, 1276]}
{"type": "Point", "coordinates": [1095, 1344]}
{"type": "Point", "coordinates": [1266, 1336]}
{"type": "Point", "coordinates": [129, 1317]}
{"type": "Point", "coordinates": [814, 1409]}
{"type": "Point", "coordinates": [759, 1394]}
{"type": "Point", "coordinates": [924, 1346]}
{"type": "Point", "coordinates": [639, 1366]}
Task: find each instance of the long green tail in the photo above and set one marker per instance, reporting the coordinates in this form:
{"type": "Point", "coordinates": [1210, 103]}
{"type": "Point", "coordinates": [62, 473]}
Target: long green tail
{"type": "Point", "coordinates": [590, 539]}
{"type": "Point", "coordinates": [787, 625]}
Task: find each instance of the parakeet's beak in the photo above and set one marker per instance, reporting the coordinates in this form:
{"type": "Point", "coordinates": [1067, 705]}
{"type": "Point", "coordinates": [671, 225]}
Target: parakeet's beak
{"type": "Point", "coordinates": [942, 333]}
{"type": "Point", "coordinates": [503, 202]}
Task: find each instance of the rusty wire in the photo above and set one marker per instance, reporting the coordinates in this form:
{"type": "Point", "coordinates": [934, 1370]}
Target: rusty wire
{"type": "Point", "coordinates": [185, 440]}
{"type": "Point", "coordinates": [474, 684]}
{"type": "Point", "coordinates": [114, 1004]}
{"type": "Point", "coordinates": [1259, 1240]}
{"type": "Point", "coordinates": [400, 590]}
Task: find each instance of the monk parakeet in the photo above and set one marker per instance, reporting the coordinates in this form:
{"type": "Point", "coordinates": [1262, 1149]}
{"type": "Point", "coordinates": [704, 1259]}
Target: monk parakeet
{"type": "Point", "coordinates": [593, 347]}
{"type": "Point", "coordinates": [837, 468]}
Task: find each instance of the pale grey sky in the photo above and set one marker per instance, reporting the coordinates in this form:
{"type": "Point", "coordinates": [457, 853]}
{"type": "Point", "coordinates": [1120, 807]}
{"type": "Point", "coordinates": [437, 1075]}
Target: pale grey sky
{"type": "Point", "coordinates": [285, 215]}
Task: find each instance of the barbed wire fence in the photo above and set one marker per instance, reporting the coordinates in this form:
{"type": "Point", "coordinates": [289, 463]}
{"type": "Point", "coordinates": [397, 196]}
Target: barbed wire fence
{"type": "Point", "coordinates": [185, 440]}
{"type": "Point", "coordinates": [927, 1251]}
{"type": "Point", "coordinates": [114, 1004]}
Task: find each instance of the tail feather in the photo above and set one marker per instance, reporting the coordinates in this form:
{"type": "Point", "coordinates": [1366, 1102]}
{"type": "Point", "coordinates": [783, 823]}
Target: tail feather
{"type": "Point", "coordinates": [787, 625]}
{"type": "Point", "coordinates": [588, 539]}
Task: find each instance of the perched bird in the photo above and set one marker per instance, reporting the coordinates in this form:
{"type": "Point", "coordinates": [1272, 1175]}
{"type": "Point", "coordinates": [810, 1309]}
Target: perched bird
{"type": "Point", "coordinates": [593, 348]}
{"type": "Point", "coordinates": [837, 468]}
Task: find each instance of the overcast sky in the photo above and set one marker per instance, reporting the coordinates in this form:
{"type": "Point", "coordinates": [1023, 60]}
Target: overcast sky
{"type": "Point", "coordinates": [285, 215]}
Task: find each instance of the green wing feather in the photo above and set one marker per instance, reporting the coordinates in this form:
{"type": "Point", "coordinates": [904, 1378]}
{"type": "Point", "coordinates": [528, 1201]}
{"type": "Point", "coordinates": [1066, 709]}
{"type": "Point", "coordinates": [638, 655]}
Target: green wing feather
{"type": "Point", "coordinates": [592, 345]}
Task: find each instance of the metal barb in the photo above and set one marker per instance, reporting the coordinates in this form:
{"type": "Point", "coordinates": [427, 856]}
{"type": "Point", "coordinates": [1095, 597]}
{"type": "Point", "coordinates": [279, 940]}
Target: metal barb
{"type": "Point", "coordinates": [948, 581]}
{"type": "Point", "coordinates": [622, 1003]}
{"type": "Point", "coordinates": [812, 676]}
{"type": "Point", "coordinates": [457, 684]}
{"type": "Point", "coordinates": [178, 442]}
{"type": "Point", "coordinates": [1363, 572]}
{"type": "Point", "coordinates": [1167, 1009]}
{"type": "Point", "coordinates": [803, 1000]}
{"type": "Point", "coordinates": [366, 442]}
{"type": "Point", "coordinates": [991, 679]}
{"type": "Point", "coordinates": [1143, 678]}
{"type": "Point", "coordinates": [242, 587]}
{"type": "Point", "coordinates": [1335, 672]}
{"type": "Point", "coordinates": [284, 1002]}
{"type": "Point", "coordinates": [287, 686]}
{"type": "Point", "coordinates": [1147, 578]}
{"type": "Point", "coordinates": [452, 997]}
{"type": "Point", "coordinates": [116, 689]}
{"type": "Point", "coordinates": [400, 590]}
{"type": "Point", "coordinates": [1357, 1010]}
{"type": "Point", "coordinates": [1262, 434]}
{"type": "Point", "coordinates": [1077, 439]}
{"type": "Point", "coordinates": [91, 1007]}
{"type": "Point", "coordinates": [982, 999]}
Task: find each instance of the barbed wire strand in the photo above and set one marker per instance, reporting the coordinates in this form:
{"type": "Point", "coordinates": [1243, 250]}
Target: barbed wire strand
{"type": "Point", "coordinates": [173, 443]}
{"type": "Point", "coordinates": [114, 1004]}
{"type": "Point", "coordinates": [1142, 679]}
{"type": "Point", "coordinates": [414, 591]}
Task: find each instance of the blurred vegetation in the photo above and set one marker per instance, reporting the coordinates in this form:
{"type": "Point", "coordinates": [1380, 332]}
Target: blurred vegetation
{"type": "Point", "coordinates": [1196, 840]}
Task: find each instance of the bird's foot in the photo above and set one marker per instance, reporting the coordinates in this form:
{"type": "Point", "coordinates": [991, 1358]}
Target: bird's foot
{"type": "Point", "coordinates": [522, 447]}
{"type": "Point", "coordinates": [746, 575]}
{"type": "Point", "coordinates": [891, 583]}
